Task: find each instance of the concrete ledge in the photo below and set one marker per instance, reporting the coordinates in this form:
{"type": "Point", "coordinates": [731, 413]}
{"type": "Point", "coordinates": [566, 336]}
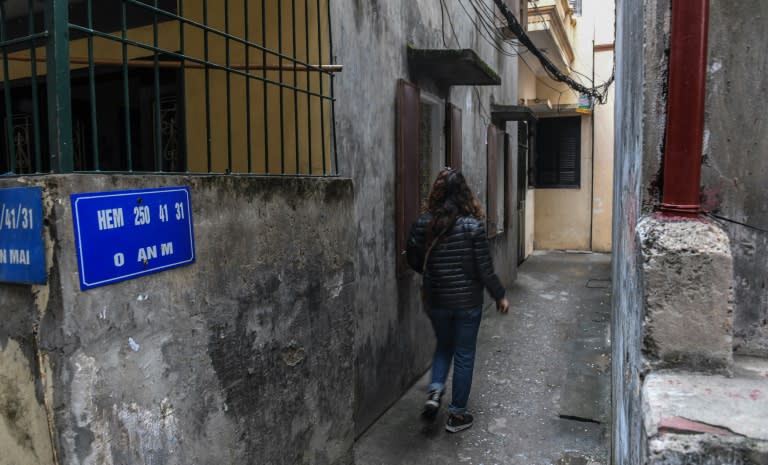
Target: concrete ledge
{"type": "Point", "coordinates": [682, 449]}
{"type": "Point", "coordinates": [687, 270]}
{"type": "Point", "coordinates": [689, 416]}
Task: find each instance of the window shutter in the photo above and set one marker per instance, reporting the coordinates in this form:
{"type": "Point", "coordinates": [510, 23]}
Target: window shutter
{"type": "Point", "coordinates": [558, 148]}
{"type": "Point", "coordinates": [408, 118]}
{"type": "Point", "coordinates": [453, 136]}
{"type": "Point", "coordinates": [570, 142]}
{"type": "Point", "coordinates": [491, 207]}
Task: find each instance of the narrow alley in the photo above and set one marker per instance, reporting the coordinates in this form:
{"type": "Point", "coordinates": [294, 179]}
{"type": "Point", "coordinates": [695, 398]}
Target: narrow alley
{"type": "Point", "coordinates": [541, 390]}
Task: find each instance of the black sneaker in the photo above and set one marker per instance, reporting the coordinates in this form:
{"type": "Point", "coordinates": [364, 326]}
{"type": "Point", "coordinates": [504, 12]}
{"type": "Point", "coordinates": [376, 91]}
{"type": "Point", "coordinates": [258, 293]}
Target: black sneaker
{"type": "Point", "coordinates": [458, 422]}
{"type": "Point", "coordinates": [432, 405]}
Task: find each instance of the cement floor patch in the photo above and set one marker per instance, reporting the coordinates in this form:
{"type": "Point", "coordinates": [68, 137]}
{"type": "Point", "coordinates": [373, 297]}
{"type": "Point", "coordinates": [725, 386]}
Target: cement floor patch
{"type": "Point", "coordinates": [738, 404]}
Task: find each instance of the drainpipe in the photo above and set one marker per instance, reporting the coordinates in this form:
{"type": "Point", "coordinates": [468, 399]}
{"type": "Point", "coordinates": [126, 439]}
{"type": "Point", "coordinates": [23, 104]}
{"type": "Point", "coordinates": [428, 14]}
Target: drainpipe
{"type": "Point", "coordinates": [685, 111]}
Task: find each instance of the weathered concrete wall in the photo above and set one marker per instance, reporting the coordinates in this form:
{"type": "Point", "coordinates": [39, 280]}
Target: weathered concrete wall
{"type": "Point", "coordinates": [393, 339]}
{"type": "Point", "coordinates": [245, 355]}
{"type": "Point", "coordinates": [730, 186]}
{"type": "Point", "coordinates": [735, 164]}
{"type": "Point", "coordinates": [627, 283]}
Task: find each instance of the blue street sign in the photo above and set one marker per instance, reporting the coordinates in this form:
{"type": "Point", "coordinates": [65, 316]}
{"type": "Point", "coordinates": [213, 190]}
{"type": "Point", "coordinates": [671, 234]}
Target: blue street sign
{"type": "Point", "coordinates": [123, 235]}
{"type": "Point", "coordinates": [22, 254]}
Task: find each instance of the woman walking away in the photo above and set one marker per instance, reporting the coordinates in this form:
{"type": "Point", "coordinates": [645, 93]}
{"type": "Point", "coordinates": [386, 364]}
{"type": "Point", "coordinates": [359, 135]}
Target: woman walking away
{"type": "Point", "coordinates": [449, 246]}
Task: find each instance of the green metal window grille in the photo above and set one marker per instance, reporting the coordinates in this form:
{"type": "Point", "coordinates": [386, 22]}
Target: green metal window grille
{"type": "Point", "coordinates": [199, 86]}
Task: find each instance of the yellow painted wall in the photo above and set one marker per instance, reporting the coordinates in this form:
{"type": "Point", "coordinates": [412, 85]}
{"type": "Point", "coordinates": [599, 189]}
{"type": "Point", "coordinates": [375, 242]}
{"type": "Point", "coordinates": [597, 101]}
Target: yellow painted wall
{"type": "Point", "coordinates": [562, 216]}
{"type": "Point", "coordinates": [273, 138]}
{"type": "Point", "coordinates": [602, 207]}
{"type": "Point", "coordinates": [572, 218]}
{"type": "Point", "coordinates": [526, 89]}
{"type": "Point", "coordinates": [530, 221]}
{"type": "Point", "coordinates": [296, 141]}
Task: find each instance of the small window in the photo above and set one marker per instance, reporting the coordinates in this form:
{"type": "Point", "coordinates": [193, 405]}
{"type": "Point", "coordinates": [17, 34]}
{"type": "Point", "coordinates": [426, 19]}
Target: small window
{"type": "Point", "coordinates": [558, 153]}
{"type": "Point", "coordinates": [576, 5]}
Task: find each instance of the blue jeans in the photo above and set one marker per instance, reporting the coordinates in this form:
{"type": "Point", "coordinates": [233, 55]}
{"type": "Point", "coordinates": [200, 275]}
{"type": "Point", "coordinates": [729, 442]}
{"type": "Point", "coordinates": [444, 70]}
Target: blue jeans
{"type": "Point", "coordinates": [456, 333]}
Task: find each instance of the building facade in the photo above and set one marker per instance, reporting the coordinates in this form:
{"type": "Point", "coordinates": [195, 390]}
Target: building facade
{"type": "Point", "coordinates": [306, 136]}
{"type": "Point", "coordinates": [569, 198]}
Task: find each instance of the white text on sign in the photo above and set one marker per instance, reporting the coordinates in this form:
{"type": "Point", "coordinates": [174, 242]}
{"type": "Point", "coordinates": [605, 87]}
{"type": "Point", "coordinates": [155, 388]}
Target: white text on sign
{"type": "Point", "coordinates": [14, 257]}
{"type": "Point", "coordinates": [113, 218]}
{"type": "Point", "coordinates": [15, 217]}
{"type": "Point", "coordinates": [145, 254]}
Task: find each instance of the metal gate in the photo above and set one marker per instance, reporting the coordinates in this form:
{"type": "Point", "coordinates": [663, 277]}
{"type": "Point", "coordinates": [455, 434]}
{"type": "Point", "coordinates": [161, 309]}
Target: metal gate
{"type": "Point", "coordinates": [225, 86]}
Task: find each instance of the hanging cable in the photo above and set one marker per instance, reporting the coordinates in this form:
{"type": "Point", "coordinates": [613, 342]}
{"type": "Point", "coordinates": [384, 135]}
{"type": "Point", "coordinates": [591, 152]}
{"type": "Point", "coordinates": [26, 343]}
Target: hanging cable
{"type": "Point", "coordinates": [597, 92]}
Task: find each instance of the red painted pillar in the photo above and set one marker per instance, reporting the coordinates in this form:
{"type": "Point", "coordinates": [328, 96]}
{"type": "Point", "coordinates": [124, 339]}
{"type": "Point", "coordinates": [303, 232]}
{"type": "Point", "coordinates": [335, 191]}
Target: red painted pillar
{"type": "Point", "coordinates": [685, 111]}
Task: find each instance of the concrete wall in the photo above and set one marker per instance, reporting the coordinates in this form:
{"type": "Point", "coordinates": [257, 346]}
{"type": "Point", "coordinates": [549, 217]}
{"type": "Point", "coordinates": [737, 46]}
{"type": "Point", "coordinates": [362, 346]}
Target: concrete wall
{"type": "Point", "coordinates": [393, 339]}
{"type": "Point", "coordinates": [735, 165]}
{"type": "Point", "coordinates": [627, 316]}
{"type": "Point", "coordinates": [733, 168]}
{"type": "Point", "coordinates": [246, 353]}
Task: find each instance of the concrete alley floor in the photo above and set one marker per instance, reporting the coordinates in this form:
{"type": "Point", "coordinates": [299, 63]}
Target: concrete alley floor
{"type": "Point", "coordinates": [541, 389]}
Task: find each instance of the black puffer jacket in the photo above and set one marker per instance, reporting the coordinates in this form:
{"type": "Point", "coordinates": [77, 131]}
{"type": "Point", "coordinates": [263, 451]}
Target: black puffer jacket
{"type": "Point", "coordinates": [459, 266]}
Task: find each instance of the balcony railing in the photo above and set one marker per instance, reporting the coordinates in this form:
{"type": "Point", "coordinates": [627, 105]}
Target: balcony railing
{"type": "Point", "coordinates": [552, 27]}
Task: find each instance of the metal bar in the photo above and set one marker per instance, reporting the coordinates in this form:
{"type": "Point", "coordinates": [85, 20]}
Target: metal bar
{"type": "Point", "coordinates": [246, 21]}
{"type": "Point", "coordinates": [59, 87]}
{"type": "Point", "coordinates": [207, 28]}
{"type": "Point", "coordinates": [335, 167]}
{"type": "Point", "coordinates": [685, 115]}
{"type": "Point", "coordinates": [309, 86]}
{"type": "Point", "coordinates": [207, 89]}
{"type": "Point", "coordinates": [183, 78]}
{"type": "Point", "coordinates": [280, 78]}
{"type": "Point", "coordinates": [156, 78]}
{"type": "Point", "coordinates": [295, 95]}
{"type": "Point", "coordinates": [229, 89]}
{"type": "Point", "coordinates": [142, 63]}
{"type": "Point", "coordinates": [92, 91]}
{"type": "Point", "coordinates": [320, 58]}
{"type": "Point", "coordinates": [21, 40]}
{"type": "Point", "coordinates": [7, 99]}
{"type": "Point", "coordinates": [192, 59]}
{"type": "Point", "coordinates": [264, 80]}
{"type": "Point", "coordinates": [126, 90]}
{"type": "Point", "coordinates": [35, 96]}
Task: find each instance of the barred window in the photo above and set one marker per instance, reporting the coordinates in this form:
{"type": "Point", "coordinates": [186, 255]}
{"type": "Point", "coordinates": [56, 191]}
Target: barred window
{"type": "Point", "coordinates": [226, 86]}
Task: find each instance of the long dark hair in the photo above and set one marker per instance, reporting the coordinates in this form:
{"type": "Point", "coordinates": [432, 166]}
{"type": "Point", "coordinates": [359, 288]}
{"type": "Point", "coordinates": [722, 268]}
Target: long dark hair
{"type": "Point", "coordinates": [449, 199]}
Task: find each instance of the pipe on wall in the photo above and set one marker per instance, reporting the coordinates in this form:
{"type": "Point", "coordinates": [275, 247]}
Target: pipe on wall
{"type": "Point", "coordinates": [685, 111]}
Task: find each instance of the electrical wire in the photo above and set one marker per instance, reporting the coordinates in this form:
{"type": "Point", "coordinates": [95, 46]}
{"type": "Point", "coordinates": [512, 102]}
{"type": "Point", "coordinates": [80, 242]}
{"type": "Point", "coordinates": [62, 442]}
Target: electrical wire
{"type": "Point", "coordinates": [722, 218]}
{"type": "Point", "coordinates": [484, 115]}
{"type": "Point", "coordinates": [599, 93]}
